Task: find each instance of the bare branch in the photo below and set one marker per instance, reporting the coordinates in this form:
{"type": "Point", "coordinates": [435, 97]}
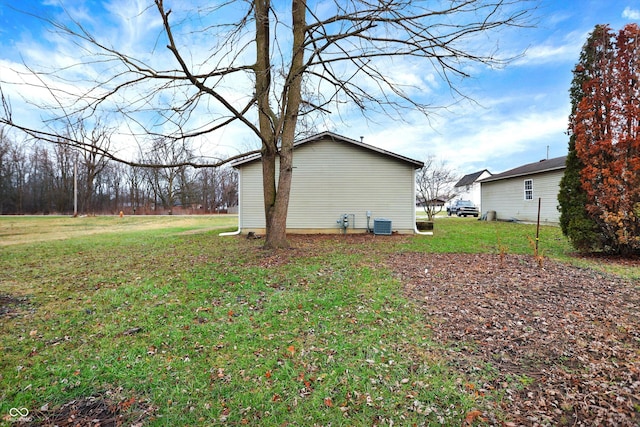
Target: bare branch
{"type": "Point", "coordinates": [433, 184]}
{"type": "Point", "coordinates": [75, 142]}
{"type": "Point", "coordinates": [343, 50]}
{"type": "Point", "coordinates": [239, 115]}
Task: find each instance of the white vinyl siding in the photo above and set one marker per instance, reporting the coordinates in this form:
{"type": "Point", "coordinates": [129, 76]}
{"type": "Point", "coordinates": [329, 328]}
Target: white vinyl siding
{"type": "Point", "coordinates": [506, 199]}
{"type": "Point", "coordinates": [334, 178]}
{"type": "Point", "coordinates": [251, 208]}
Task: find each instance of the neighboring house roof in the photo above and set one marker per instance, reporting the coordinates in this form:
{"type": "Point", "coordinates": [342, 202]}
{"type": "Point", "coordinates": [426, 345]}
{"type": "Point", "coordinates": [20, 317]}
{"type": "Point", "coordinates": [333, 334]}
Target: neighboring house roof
{"type": "Point", "coordinates": [470, 178]}
{"type": "Point", "coordinates": [545, 165]}
{"type": "Point", "coordinates": [338, 138]}
{"type": "Point", "coordinates": [437, 200]}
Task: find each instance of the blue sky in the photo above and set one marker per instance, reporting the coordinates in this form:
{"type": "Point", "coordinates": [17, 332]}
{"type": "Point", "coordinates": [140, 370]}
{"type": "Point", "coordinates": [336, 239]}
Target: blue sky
{"type": "Point", "coordinates": [519, 113]}
{"type": "Point", "coordinates": [522, 109]}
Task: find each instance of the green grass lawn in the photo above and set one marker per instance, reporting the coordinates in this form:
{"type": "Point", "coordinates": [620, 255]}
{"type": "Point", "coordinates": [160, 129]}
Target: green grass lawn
{"type": "Point", "coordinates": [215, 331]}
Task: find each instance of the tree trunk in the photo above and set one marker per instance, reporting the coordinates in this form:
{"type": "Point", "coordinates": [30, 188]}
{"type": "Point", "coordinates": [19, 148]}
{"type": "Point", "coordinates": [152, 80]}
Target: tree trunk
{"type": "Point", "coordinates": [275, 208]}
{"type": "Point", "coordinates": [277, 130]}
{"type": "Point", "coordinates": [277, 215]}
{"type": "Point", "coordinates": [267, 125]}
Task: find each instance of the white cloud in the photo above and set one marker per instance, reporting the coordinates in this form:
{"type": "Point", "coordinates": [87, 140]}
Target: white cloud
{"type": "Point", "coordinates": [133, 28]}
{"type": "Point", "coordinates": [516, 121]}
{"type": "Point", "coordinates": [546, 53]}
{"type": "Point", "coordinates": [633, 14]}
{"type": "Point", "coordinates": [135, 24]}
{"type": "Point", "coordinates": [23, 87]}
{"type": "Point", "coordinates": [508, 132]}
{"type": "Point", "coordinates": [553, 50]}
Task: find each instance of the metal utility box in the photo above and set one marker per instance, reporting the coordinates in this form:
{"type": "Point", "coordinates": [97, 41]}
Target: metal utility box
{"type": "Point", "coordinates": [382, 226]}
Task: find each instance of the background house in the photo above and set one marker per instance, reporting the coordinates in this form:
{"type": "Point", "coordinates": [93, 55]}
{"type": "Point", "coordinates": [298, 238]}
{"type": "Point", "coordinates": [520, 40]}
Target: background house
{"type": "Point", "coordinates": [332, 176]}
{"type": "Point", "coordinates": [514, 194]}
{"type": "Point", "coordinates": [468, 187]}
{"type": "Point", "coordinates": [438, 202]}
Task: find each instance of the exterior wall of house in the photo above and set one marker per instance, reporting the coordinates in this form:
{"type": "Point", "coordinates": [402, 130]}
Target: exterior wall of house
{"type": "Point", "coordinates": [331, 179]}
{"type": "Point", "coordinates": [472, 192]}
{"type": "Point", "coordinates": [507, 197]}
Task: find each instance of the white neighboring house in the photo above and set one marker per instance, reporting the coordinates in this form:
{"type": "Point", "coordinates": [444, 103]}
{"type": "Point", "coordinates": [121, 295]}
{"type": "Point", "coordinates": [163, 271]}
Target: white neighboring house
{"type": "Point", "coordinates": [333, 176]}
{"type": "Point", "coordinates": [468, 188]}
{"type": "Point", "coordinates": [514, 194]}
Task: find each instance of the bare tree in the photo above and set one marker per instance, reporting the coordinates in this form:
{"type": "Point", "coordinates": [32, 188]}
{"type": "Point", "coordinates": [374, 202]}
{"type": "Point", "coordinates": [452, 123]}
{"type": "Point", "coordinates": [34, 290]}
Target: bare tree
{"type": "Point", "coordinates": [41, 181]}
{"type": "Point", "coordinates": [228, 188]}
{"type": "Point", "coordinates": [20, 168]}
{"type": "Point", "coordinates": [166, 181]}
{"type": "Point", "coordinates": [217, 188]}
{"type": "Point", "coordinates": [271, 66]}
{"type": "Point", "coordinates": [98, 140]}
{"type": "Point", "coordinates": [7, 173]}
{"type": "Point", "coordinates": [433, 185]}
{"type": "Point", "coordinates": [62, 173]}
{"type": "Point", "coordinates": [137, 188]}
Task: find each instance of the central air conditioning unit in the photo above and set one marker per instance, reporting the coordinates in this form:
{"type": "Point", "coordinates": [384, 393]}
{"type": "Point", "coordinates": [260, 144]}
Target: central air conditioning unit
{"type": "Point", "coordinates": [382, 226]}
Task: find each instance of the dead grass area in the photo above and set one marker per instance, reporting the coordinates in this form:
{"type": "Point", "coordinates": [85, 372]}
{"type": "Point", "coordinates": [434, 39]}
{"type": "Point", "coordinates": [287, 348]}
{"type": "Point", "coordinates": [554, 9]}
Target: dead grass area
{"type": "Point", "coordinates": [18, 230]}
{"type": "Point", "coordinates": [11, 306]}
{"type": "Point", "coordinates": [106, 410]}
{"type": "Point", "coordinates": [560, 344]}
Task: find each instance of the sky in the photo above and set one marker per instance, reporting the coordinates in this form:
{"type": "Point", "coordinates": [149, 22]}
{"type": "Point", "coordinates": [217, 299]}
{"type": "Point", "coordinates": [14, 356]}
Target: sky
{"type": "Point", "coordinates": [514, 115]}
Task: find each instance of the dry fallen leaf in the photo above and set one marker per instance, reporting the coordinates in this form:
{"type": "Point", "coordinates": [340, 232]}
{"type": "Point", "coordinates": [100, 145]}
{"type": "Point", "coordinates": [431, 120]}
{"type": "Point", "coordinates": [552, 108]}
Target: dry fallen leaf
{"type": "Point", "coordinates": [473, 416]}
{"type": "Point", "coordinates": [563, 340]}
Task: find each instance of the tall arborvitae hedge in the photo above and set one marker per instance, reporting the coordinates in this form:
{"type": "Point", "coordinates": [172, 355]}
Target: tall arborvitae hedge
{"type": "Point", "coordinates": [575, 221]}
{"type": "Point", "coordinates": [600, 191]}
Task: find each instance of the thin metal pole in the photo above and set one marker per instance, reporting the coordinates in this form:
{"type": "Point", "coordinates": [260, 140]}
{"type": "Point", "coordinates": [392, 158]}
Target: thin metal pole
{"type": "Point", "coordinates": [538, 225]}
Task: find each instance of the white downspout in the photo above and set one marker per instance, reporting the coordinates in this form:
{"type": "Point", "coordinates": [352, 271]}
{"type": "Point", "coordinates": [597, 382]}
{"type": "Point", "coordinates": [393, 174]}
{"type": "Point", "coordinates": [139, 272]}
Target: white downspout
{"type": "Point", "coordinates": [231, 233]}
{"type": "Point", "coordinates": [422, 233]}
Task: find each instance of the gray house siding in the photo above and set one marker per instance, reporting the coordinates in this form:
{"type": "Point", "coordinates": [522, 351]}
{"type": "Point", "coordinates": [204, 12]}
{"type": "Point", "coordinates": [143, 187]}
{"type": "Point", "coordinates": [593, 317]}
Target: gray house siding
{"type": "Point", "coordinates": [332, 177]}
{"type": "Point", "coordinates": [506, 196]}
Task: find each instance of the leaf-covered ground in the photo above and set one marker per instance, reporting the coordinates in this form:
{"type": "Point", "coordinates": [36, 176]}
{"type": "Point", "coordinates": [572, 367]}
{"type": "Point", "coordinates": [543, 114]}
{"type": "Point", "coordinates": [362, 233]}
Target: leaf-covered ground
{"type": "Point", "coordinates": [550, 344]}
{"type": "Point", "coordinates": [108, 410]}
{"type": "Point", "coordinates": [560, 344]}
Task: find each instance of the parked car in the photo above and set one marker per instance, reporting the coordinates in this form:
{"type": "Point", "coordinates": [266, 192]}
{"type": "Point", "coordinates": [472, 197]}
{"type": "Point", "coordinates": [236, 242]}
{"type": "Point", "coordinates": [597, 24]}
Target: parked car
{"type": "Point", "coordinates": [463, 208]}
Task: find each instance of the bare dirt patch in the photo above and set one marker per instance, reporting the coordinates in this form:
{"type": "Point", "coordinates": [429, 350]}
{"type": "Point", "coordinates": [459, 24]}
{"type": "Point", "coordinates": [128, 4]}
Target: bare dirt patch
{"type": "Point", "coordinates": [107, 410]}
{"type": "Point", "coordinates": [11, 306]}
{"type": "Point", "coordinates": [560, 344]}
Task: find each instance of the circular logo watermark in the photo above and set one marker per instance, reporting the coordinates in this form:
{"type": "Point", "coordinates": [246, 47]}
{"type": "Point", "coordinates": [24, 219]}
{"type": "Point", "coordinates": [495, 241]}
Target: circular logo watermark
{"type": "Point", "coordinates": [18, 412]}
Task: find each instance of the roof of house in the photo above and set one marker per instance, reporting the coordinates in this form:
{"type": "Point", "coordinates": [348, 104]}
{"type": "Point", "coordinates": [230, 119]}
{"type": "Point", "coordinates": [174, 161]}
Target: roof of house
{"type": "Point", "coordinates": [338, 138]}
{"type": "Point", "coordinates": [470, 178]}
{"type": "Point", "coordinates": [545, 165]}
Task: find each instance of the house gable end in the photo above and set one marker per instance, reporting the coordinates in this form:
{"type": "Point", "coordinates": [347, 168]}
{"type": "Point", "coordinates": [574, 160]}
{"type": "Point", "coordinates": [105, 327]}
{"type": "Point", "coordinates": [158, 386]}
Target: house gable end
{"type": "Point", "coordinates": [330, 136]}
{"type": "Point", "coordinates": [469, 179]}
{"type": "Point", "coordinates": [333, 177]}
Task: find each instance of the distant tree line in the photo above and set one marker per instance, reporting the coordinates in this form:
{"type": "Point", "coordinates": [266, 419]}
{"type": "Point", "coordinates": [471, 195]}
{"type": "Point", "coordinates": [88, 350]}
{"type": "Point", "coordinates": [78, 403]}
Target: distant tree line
{"type": "Point", "coordinates": [38, 178]}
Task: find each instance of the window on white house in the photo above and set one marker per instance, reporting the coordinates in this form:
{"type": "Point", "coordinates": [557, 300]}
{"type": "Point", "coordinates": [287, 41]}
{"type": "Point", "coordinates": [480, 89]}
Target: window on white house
{"type": "Point", "coordinates": [528, 189]}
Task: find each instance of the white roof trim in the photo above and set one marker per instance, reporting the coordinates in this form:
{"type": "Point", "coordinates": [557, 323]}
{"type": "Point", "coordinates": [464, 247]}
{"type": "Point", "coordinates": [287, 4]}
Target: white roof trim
{"type": "Point", "coordinates": [330, 135]}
